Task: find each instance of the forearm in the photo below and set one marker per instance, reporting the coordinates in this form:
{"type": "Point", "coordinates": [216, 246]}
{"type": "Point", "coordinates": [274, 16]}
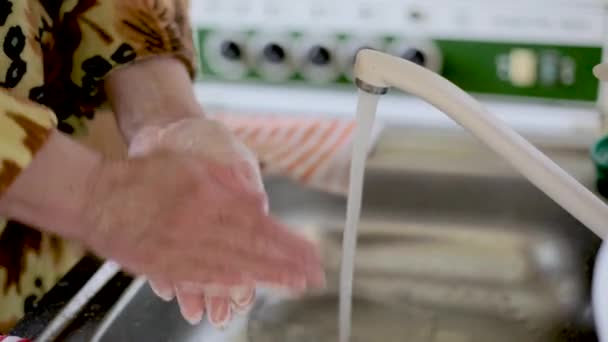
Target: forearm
{"type": "Point", "coordinates": [53, 190]}
{"type": "Point", "coordinates": [152, 92]}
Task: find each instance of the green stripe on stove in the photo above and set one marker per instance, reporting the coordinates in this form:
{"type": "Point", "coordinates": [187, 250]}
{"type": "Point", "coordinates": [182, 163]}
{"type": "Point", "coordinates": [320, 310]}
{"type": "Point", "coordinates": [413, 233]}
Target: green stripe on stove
{"type": "Point", "coordinates": [472, 66]}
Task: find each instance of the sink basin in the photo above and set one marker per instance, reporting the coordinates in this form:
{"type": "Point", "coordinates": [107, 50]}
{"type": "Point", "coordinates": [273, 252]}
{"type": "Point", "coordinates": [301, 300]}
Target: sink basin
{"type": "Point", "coordinates": [445, 254]}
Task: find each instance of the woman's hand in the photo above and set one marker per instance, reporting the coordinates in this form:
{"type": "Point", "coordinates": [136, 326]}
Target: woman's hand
{"type": "Point", "coordinates": [157, 111]}
{"type": "Point", "coordinates": [172, 216]}
{"type": "Point", "coordinates": [192, 220]}
{"type": "Point", "coordinates": [208, 140]}
{"type": "Point", "coordinates": [157, 93]}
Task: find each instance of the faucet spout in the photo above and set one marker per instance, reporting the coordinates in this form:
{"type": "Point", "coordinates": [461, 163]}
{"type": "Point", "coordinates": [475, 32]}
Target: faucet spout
{"type": "Point", "coordinates": [376, 72]}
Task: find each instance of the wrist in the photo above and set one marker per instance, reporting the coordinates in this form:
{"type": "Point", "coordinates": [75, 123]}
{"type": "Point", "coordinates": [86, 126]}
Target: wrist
{"type": "Point", "coordinates": [152, 92]}
{"type": "Point", "coordinates": [52, 192]}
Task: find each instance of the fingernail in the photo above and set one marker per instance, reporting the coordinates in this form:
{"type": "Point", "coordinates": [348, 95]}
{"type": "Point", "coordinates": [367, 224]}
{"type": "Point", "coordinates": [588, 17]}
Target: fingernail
{"type": "Point", "coordinates": [242, 299]}
{"type": "Point", "coordinates": [165, 294]}
{"type": "Point", "coordinates": [192, 318]}
{"type": "Point", "coordinates": [219, 312]}
{"type": "Point", "coordinates": [195, 320]}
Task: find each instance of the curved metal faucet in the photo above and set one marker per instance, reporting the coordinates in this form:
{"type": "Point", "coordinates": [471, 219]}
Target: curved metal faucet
{"type": "Point", "coordinates": [376, 72]}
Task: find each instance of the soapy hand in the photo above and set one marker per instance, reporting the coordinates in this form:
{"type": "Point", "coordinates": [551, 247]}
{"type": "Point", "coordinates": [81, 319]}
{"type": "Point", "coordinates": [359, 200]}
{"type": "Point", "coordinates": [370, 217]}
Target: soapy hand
{"type": "Point", "coordinates": [207, 140]}
{"type": "Point", "coordinates": [219, 302]}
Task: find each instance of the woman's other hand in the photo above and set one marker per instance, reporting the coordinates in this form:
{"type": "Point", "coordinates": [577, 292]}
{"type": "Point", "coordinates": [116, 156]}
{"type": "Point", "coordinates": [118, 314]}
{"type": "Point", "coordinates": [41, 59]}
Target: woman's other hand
{"type": "Point", "coordinates": [175, 217]}
{"type": "Point", "coordinates": [206, 139]}
{"type": "Point", "coordinates": [184, 219]}
{"type": "Point", "coordinates": [157, 112]}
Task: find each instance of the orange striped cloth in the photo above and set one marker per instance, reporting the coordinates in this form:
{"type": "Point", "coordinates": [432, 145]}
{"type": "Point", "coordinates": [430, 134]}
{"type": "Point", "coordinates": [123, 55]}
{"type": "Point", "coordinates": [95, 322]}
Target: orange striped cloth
{"type": "Point", "coordinates": [314, 151]}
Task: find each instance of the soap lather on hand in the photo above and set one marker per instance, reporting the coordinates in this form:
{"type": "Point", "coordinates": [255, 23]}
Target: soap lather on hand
{"type": "Point", "coordinates": [210, 140]}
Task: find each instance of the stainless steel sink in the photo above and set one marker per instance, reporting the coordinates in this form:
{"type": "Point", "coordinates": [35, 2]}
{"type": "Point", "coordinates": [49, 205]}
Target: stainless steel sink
{"type": "Point", "coordinates": [454, 246]}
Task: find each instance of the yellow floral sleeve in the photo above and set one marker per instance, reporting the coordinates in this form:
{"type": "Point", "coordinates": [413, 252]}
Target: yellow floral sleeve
{"type": "Point", "coordinates": [57, 53]}
{"type": "Point", "coordinates": [24, 124]}
{"type": "Point", "coordinates": [117, 32]}
{"type": "Point", "coordinates": [54, 56]}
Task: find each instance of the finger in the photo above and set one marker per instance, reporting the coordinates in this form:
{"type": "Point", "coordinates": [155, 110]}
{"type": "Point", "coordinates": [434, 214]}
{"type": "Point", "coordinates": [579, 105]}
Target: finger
{"type": "Point", "coordinates": [297, 249]}
{"type": "Point", "coordinates": [218, 309]}
{"type": "Point", "coordinates": [278, 280]}
{"type": "Point", "coordinates": [206, 279]}
{"type": "Point", "coordinates": [221, 259]}
{"type": "Point", "coordinates": [267, 237]}
{"type": "Point", "coordinates": [162, 289]}
{"type": "Point", "coordinates": [209, 289]}
{"type": "Point", "coordinates": [191, 305]}
{"type": "Point", "coordinates": [234, 256]}
{"type": "Point", "coordinates": [242, 298]}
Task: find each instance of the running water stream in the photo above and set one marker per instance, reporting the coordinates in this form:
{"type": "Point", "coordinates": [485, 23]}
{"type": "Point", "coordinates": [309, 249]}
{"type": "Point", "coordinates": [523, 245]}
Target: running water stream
{"type": "Point", "coordinates": [366, 112]}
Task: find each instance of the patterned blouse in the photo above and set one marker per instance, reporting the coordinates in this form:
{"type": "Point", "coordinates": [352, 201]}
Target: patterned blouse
{"type": "Point", "coordinates": [55, 55]}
